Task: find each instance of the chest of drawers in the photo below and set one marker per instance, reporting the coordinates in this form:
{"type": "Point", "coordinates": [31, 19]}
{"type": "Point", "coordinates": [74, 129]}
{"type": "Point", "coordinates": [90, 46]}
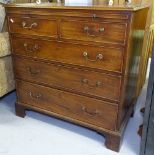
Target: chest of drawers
{"type": "Point", "coordinates": [78, 63]}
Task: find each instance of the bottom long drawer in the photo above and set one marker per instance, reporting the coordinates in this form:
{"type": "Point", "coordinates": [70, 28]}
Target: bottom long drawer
{"type": "Point", "coordinates": [89, 110]}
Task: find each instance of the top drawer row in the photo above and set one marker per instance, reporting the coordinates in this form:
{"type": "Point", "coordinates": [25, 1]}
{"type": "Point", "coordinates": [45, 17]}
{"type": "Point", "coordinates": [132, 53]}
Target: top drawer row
{"type": "Point", "coordinates": [71, 29]}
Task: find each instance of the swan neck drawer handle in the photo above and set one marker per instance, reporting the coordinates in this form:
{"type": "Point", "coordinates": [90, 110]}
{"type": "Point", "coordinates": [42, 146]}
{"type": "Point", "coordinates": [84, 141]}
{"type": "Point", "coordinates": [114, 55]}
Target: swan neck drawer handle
{"type": "Point", "coordinates": [87, 30]}
{"type": "Point", "coordinates": [94, 16]}
{"type": "Point", "coordinates": [93, 33]}
{"type": "Point", "coordinates": [33, 72]}
{"type": "Point", "coordinates": [35, 95]}
{"type": "Point", "coordinates": [102, 29]}
{"type": "Point", "coordinates": [98, 57]}
{"type": "Point", "coordinates": [97, 84]}
{"type": "Point", "coordinates": [33, 25]}
{"type": "Point", "coordinates": [93, 113]}
{"type": "Point", "coordinates": [31, 49]}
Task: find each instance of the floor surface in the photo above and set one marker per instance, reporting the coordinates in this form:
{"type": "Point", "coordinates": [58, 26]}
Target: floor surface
{"type": "Point", "coordinates": [38, 134]}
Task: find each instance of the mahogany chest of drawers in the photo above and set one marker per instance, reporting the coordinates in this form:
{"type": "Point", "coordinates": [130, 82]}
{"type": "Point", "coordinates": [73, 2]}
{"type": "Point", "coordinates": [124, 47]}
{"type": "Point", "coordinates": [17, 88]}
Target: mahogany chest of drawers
{"type": "Point", "coordinates": [78, 63]}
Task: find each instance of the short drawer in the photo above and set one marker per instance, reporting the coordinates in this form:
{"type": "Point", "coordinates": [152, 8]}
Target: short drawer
{"type": "Point", "coordinates": [110, 59]}
{"type": "Point", "coordinates": [33, 26]}
{"type": "Point", "coordinates": [90, 83]}
{"type": "Point", "coordinates": [89, 110]}
{"type": "Point", "coordinates": [103, 32]}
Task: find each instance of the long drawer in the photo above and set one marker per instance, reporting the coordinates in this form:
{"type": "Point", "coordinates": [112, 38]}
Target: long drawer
{"type": "Point", "coordinates": [33, 26]}
{"type": "Point", "coordinates": [109, 58]}
{"type": "Point", "coordinates": [96, 112]}
{"type": "Point", "coordinates": [86, 82]}
{"type": "Point", "coordinates": [94, 31]}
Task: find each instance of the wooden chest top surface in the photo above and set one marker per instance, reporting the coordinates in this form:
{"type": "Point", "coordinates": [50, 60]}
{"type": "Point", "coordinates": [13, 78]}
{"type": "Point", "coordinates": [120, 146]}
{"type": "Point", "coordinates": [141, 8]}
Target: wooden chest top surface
{"type": "Point", "coordinates": [91, 5]}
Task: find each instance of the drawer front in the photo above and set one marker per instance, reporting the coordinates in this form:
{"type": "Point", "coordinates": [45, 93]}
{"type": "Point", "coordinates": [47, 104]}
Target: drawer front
{"type": "Point", "coordinates": [75, 54]}
{"type": "Point", "coordinates": [85, 109]}
{"type": "Point", "coordinates": [33, 26]}
{"type": "Point", "coordinates": [86, 82]}
{"type": "Point", "coordinates": [103, 32]}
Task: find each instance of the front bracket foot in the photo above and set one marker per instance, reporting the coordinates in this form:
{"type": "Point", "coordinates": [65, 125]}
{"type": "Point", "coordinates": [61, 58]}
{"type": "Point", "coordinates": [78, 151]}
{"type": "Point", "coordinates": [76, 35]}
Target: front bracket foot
{"type": "Point", "coordinates": [20, 110]}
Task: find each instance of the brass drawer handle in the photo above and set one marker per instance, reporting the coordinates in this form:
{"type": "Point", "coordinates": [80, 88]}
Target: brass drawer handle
{"type": "Point", "coordinates": [98, 57]}
{"type": "Point", "coordinates": [102, 29]}
{"type": "Point", "coordinates": [97, 84]}
{"type": "Point", "coordinates": [35, 95]}
{"type": "Point", "coordinates": [94, 16]}
{"type": "Point", "coordinates": [87, 31]}
{"type": "Point", "coordinates": [33, 72]}
{"type": "Point", "coordinates": [93, 113]}
{"type": "Point", "coordinates": [93, 33]}
{"type": "Point", "coordinates": [31, 49]}
{"type": "Point", "coordinates": [33, 25]}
